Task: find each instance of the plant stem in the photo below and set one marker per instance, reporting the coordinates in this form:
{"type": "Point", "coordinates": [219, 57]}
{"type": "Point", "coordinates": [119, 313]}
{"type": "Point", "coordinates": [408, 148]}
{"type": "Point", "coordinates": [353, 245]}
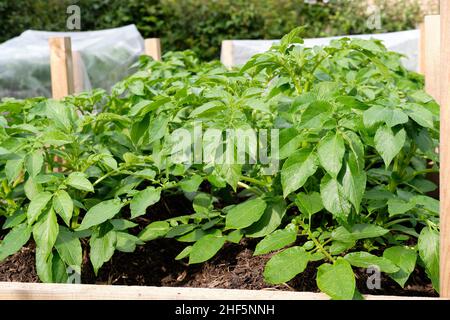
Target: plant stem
{"type": "Point", "coordinates": [396, 221]}
{"type": "Point", "coordinates": [254, 181]}
{"type": "Point", "coordinates": [319, 246]}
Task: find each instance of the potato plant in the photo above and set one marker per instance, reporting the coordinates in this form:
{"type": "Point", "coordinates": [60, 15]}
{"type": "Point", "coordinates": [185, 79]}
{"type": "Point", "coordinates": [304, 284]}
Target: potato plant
{"type": "Point", "coordinates": [357, 138]}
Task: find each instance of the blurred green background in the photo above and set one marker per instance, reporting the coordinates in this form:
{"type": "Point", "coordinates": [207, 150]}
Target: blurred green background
{"type": "Point", "coordinates": [201, 25]}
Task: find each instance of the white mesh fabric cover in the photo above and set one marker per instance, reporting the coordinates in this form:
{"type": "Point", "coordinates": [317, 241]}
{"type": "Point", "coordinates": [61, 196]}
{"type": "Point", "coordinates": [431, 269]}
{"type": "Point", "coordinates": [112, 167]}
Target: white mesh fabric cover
{"type": "Point", "coordinates": [106, 59]}
{"type": "Point", "coordinates": [405, 42]}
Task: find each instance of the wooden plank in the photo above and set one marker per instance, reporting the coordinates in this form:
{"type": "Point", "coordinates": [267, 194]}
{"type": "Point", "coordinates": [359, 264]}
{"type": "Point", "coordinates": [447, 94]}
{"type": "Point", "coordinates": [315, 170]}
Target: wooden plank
{"type": "Point", "coordinates": [78, 72]}
{"type": "Point", "coordinates": [445, 151]}
{"type": "Point", "coordinates": [226, 53]}
{"type": "Point", "coordinates": [422, 48]}
{"type": "Point", "coordinates": [47, 291]}
{"type": "Point", "coordinates": [153, 48]}
{"type": "Point", "coordinates": [432, 53]}
{"type": "Point", "coordinates": [61, 66]}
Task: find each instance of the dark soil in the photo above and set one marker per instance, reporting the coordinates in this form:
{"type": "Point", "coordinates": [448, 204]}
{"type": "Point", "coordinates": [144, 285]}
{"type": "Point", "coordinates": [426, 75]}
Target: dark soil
{"type": "Point", "coordinates": [234, 267]}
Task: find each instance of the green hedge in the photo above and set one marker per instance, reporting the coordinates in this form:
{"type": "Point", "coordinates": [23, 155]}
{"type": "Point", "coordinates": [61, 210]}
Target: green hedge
{"type": "Point", "coordinates": [201, 25]}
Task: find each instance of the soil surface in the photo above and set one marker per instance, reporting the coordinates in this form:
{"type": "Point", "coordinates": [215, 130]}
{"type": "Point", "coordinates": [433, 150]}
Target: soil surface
{"type": "Point", "coordinates": [234, 267]}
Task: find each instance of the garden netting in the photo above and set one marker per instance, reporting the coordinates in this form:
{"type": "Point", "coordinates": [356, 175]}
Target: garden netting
{"type": "Point", "coordinates": [404, 42]}
{"type": "Point", "coordinates": [106, 57]}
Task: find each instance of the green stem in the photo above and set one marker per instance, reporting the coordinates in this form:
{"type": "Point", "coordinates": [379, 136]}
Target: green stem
{"type": "Point", "coordinates": [246, 186]}
{"type": "Point", "coordinates": [319, 246]}
{"type": "Point", "coordinates": [254, 181]}
{"type": "Point", "coordinates": [387, 225]}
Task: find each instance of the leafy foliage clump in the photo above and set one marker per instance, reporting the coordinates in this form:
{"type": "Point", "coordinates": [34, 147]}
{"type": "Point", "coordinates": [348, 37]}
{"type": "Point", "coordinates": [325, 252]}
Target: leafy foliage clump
{"type": "Point", "coordinates": [357, 138]}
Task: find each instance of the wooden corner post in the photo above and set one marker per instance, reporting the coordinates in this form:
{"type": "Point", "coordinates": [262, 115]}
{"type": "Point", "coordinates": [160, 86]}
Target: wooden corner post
{"type": "Point", "coordinates": [153, 48]}
{"type": "Point", "coordinates": [61, 66]}
{"type": "Point", "coordinates": [445, 151]}
{"type": "Point", "coordinates": [226, 53]}
{"type": "Point", "coordinates": [431, 55]}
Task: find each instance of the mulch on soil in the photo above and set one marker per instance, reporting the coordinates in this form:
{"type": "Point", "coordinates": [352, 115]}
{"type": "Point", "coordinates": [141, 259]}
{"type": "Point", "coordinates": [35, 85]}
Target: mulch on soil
{"type": "Point", "coordinates": [234, 267]}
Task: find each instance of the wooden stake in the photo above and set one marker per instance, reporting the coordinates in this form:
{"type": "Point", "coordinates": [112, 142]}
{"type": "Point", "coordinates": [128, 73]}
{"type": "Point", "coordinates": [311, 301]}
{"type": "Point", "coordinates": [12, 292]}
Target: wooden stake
{"type": "Point", "coordinates": [432, 68]}
{"type": "Point", "coordinates": [422, 48]}
{"type": "Point", "coordinates": [78, 72]}
{"type": "Point", "coordinates": [153, 48]}
{"type": "Point", "coordinates": [226, 53]}
{"type": "Point", "coordinates": [61, 66]}
{"type": "Point", "coordinates": [445, 151]}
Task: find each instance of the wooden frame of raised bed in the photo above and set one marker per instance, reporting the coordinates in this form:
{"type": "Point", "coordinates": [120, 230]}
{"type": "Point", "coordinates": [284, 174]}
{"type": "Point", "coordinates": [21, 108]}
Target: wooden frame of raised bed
{"type": "Point", "coordinates": [434, 63]}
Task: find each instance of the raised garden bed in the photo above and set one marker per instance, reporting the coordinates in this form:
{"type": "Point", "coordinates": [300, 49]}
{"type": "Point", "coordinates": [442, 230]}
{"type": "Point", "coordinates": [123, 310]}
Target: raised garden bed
{"type": "Point", "coordinates": [90, 179]}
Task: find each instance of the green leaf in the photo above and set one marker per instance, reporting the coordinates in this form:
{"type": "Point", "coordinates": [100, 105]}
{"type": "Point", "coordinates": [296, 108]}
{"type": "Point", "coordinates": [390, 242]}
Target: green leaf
{"type": "Point", "coordinates": [207, 109]}
{"type": "Point", "coordinates": [44, 265]}
{"type": "Point", "coordinates": [14, 240]}
{"type": "Point", "coordinates": [270, 220]}
{"type": "Point", "coordinates": [276, 240]}
{"type": "Point", "coordinates": [191, 184]}
{"type": "Point", "coordinates": [69, 248]}
{"type": "Point", "coordinates": [331, 151]}
{"type": "Point", "coordinates": [235, 236]}
{"type": "Point", "coordinates": [205, 248]}
{"type": "Point", "coordinates": [427, 203]}
{"type": "Point", "coordinates": [137, 87]}
{"type": "Point", "coordinates": [45, 231]}
{"type": "Point", "coordinates": [32, 189]}
{"type": "Point", "coordinates": [358, 231]}
{"type": "Point", "coordinates": [354, 182]}
{"type": "Point", "coordinates": [203, 203]}
{"type": "Point", "coordinates": [365, 260]}
{"type": "Point", "coordinates": [379, 114]}
{"type": "Point", "coordinates": [17, 218]}
{"type": "Point", "coordinates": [231, 173]}
{"type": "Point", "coordinates": [333, 197]}
{"type": "Point", "coordinates": [157, 128]}
{"type": "Point", "coordinates": [309, 204]}
{"type": "Point", "coordinates": [338, 247]}
{"type": "Point", "coordinates": [34, 162]}
{"type": "Point", "coordinates": [297, 169]}
{"type": "Point", "coordinates": [180, 230]}
{"type": "Point", "coordinates": [389, 144]}
{"type": "Point", "coordinates": [337, 280]}
{"type": "Point", "coordinates": [285, 265]}
{"type": "Point", "coordinates": [63, 205]}
{"type": "Point", "coordinates": [13, 169]}
{"type": "Point", "coordinates": [122, 224]}
{"type": "Point", "coordinates": [420, 114]}
{"type": "Point", "coordinates": [36, 206]}
{"type": "Point", "coordinates": [403, 257]}
{"type": "Point", "coordinates": [290, 141]}
{"type": "Point", "coordinates": [100, 213]}
{"type": "Point", "coordinates": [245, 214]}
{"type": "Point", "coordinates": [428, 245]}
{"type": "Point", "coordinates": [59, 269]}
{"type": "Point", "coordinates": [60, 115]}
{"type": "Point", "coordinates": [398, 206]}
{"type": "Point", "coordinates": [78, 181]}
{"type": "Point", "coordinates": [316, 114]}
{"type": "Point", "coordinates": [127, 242]}
{"type": "Point", "coordinates": [143, 199]}
{"type": "Point", "coordinates": [154, 230]}
{"type": "Point", "coordinates": [102, 248]}
{"type": "Point", "coordinates": [184, 253]}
